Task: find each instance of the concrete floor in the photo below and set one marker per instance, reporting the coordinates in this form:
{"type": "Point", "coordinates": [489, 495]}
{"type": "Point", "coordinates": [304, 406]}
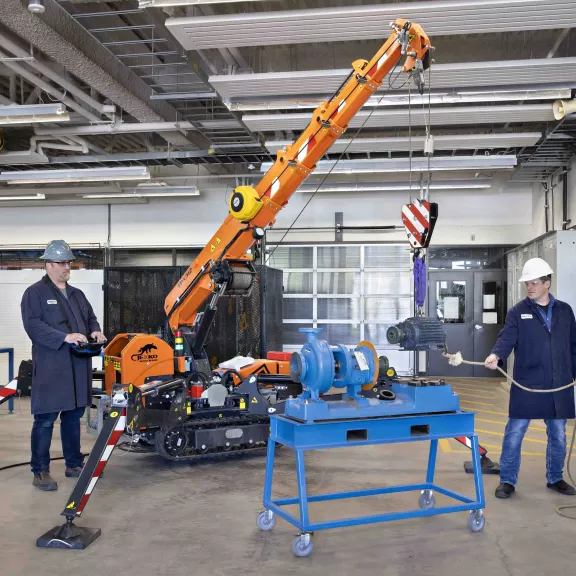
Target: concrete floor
{"type": "Point", "coordinates": [160, 519]}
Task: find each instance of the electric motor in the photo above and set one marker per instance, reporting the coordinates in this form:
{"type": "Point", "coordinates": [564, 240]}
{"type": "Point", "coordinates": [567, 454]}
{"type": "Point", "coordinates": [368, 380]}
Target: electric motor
{"type": "Point", "coordinates": [418, 334]}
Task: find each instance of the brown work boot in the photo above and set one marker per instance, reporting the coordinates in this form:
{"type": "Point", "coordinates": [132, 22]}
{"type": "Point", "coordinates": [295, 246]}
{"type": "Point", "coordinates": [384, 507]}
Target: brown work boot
{"type": "Point", "coordinates": [44, 481]}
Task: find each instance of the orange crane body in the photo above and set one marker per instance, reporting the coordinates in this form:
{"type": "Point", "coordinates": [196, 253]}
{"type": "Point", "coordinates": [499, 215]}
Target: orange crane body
{"type": "Point", "coordinates": [235, 236]}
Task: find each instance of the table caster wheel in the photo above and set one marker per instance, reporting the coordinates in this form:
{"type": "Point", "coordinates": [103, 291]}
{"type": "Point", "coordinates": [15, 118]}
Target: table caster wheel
{"type": "Point", "coordinates": [266, 520]}
{"type": "Point", "coordinates": [476, 521]}
{"type": "Point", "coordinates": [302, 545]}
{"type": "Point", "coordinates": [426, 500]}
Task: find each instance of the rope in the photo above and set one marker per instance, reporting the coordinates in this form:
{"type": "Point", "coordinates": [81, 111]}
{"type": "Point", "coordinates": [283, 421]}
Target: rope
{"type": "Point", "coordinates": [457, 360]}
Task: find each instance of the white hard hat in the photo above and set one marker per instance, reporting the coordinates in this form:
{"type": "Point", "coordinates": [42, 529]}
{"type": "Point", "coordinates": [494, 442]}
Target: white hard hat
{"type": "Point", "coordinates": [535, 268]}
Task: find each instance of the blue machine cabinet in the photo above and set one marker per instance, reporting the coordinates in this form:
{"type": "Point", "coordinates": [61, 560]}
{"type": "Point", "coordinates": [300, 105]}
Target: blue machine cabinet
{"type": "Point", "coordinates": [10, 352]}
{"type": "Point", "coordinates": [303, 436]}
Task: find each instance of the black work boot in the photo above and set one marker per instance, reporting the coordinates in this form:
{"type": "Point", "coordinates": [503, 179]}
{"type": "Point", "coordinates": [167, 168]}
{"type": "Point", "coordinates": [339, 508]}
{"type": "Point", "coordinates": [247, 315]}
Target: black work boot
{"type": "Point", "coordinates": [44, 481]}
{"type": "Point", "coordinates": [73, 472]}
{"type": "Point", "coordinates": [562, 487]}
{"type": "Point", "coordinates": [504, 490]}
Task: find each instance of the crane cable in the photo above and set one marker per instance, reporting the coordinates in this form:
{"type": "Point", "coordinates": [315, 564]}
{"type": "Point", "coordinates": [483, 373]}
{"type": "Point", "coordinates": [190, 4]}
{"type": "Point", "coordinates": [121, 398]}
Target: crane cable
{"type": "Point", "coordinates": [342, 153]}
{"type": "Point", "coordinates": [457, 360]}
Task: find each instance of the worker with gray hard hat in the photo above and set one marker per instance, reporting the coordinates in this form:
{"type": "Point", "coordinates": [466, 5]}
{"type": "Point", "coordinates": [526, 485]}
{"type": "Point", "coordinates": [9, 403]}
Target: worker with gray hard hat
{"type": "Point", "coordinates": [58, 317]}
{"type": "Point", "coordinates": [542, 332]}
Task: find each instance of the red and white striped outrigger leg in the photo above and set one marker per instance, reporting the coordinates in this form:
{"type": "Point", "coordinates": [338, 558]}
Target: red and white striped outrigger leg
{"type": "Point", "coordinates": [110, 434]}
{"type": "Point", "coordinates": [6, 392]}
{"type": "Point", "coordinates": [468, 443]}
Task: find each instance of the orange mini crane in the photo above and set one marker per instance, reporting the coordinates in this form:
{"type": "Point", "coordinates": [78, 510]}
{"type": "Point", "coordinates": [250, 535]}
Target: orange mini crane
{"type": "Point", "coordinates": [171, 381]}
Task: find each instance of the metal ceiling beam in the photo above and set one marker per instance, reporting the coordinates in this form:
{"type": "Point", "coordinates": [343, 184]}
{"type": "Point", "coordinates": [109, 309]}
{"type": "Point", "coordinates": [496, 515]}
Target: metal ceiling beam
{"type": "Point", "coordinates": [438, 18]}
{"type": "Point", "coordinates": [416, 143]}
{"type": "Point", "coordinates": [62, 38]}
{"type": "Point", "coordinates": [513, 73]}
{"type": "Point", "coordinates": [449, 116]}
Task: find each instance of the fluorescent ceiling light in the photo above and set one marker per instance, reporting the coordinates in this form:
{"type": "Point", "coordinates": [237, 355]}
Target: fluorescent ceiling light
{"type": "Point", "coordinates": [163, 3]}
{"type": "Point", "coordinates": [399, 186]}
{"type": "Point", "coordinates": [377, 165]}
{"type": "Point", "coordinates": [27, 114]}
{"type": "Point", "coordinates": [143, 195]}
{"type": "Point", "coordinates": [82, 175]}
{"type": "Point", "coordinates": [27, 197]}
{"type": "Point", "coordinates": [404, 100]}
{"type": "Point", "coordinates": [276, 27]}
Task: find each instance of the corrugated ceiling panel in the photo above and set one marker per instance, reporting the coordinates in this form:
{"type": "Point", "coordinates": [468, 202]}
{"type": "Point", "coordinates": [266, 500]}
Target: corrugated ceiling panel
{"type": "Point", "coordinates": [369, 22]}
{"type": "Point", "coordinates": [450, 116]}
{"type": "Point", "coordinates": [461, 75]}
{"type": "Point", "coordinates": [442, 142]}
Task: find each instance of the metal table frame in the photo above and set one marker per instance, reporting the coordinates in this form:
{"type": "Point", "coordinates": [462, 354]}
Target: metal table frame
{"type": "Point", "coordinates": [301, 436]}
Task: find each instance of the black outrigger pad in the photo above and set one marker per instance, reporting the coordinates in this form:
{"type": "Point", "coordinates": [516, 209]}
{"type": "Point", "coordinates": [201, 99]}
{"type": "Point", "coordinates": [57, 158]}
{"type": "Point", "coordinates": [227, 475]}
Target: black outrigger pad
{"type": "Point", "coordinates": [68, 536]}
{"type": "Point", "coordinates": [487, 466]}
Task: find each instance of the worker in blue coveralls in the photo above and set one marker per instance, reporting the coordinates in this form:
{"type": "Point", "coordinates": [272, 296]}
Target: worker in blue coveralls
{"type": "Point", "coordinates": [55, 316]}
{"type": "Point", "coordinates": [542, 332]}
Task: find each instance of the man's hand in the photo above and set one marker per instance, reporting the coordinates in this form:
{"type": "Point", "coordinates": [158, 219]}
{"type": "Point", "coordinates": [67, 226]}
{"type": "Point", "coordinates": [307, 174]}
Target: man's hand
{"type": "Point", "coordinates": [492, 362]}
{"type": "Point", "coordinates": [98, 336]}
{"type": "Point", "coordinates": [75, 338]}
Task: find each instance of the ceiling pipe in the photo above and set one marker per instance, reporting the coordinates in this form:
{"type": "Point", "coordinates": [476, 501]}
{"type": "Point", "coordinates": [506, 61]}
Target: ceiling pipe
{"type": "Point", "coordinates": [116, 128]}
{"type": "Point", "coordinates": [47, 88]}
{"type": "Point", "coordinates": [8, 44]}
{"type": "Point", "coordinates": [39, 143]}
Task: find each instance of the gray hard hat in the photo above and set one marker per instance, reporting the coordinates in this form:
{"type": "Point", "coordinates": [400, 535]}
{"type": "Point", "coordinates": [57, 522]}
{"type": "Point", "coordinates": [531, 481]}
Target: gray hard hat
{"type": "Point", "coordinates": [58, 251]}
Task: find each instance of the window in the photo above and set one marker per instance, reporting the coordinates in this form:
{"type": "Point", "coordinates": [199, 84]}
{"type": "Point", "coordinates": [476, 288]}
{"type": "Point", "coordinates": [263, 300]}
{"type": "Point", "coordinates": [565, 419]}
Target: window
{"type": "Point", "coordinates": [353, 292]}
{"type": "Point", "coordinates": [451, 301]}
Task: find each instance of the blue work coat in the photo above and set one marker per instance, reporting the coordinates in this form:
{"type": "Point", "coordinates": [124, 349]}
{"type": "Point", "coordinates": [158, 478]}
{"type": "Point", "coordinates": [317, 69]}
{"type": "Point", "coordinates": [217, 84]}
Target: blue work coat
{"type": "Point", "coordinates": [543, 359]}
{"type": "Point", "coordinates": [60, 380]}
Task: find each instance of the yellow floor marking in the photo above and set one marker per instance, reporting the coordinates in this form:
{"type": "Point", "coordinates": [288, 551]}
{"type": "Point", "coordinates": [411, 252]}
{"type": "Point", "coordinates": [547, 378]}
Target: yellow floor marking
{"type": "Point", "coordinates": [445, 445]}
{"type": "Point", "coordinates": [479, 403]}
{"type": "Point", "coordinates": [492, 412]}
{"type": "Point", "coordinates": [500, 434]}
{"type": "Point", "coordinates": [504, 424]}
{"type": "Point", "coordinates": [471, 385]}
{"type": "Point", "coordinates": [476, 395]}
{"type": "Point", "coordinates": [497, 451]}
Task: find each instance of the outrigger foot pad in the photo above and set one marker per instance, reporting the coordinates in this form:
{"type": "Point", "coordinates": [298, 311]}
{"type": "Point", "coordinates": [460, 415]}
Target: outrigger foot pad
{"type": "Point", "coordinates": [68, 536]}
{"type": "Point", "coordinates": [487, 466]}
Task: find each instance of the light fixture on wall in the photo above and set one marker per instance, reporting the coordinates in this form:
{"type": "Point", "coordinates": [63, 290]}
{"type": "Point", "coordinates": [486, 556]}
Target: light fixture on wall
{"type": "Point", "coordinates": [36, 6]}
{"type": "Point", "coordinates": [82, 175]}
{"type": "Point", "coordinates": [33, 113]}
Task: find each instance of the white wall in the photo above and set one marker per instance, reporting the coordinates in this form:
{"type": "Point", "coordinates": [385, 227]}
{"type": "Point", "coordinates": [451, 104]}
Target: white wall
{"type": "Point", "coordinates": [501, 214]}
{"type": "Point", "coordinates": [13, 284]}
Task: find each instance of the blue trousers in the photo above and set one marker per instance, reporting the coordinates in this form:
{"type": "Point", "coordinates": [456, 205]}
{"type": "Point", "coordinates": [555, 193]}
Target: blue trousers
{"type": "Point", "coordinates": [42, 437]}
{"type": "Point", "coordinates": [512, 446]}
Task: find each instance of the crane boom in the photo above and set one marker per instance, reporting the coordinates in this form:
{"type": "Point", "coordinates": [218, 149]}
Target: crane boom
{"type": "Point", "coordinates": [252, 209]}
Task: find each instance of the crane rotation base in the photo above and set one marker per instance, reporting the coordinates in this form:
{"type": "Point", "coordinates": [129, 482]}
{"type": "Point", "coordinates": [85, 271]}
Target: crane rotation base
{"type": "Point", "coordinates": [302, 436]}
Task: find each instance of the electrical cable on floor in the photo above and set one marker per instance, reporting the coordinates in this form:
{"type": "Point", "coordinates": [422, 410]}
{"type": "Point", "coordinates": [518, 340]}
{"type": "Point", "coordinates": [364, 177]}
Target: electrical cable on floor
{"type": "Point", "coordinates": [26, 463]}
{"type": "Point", "coordinates": [457, 360]}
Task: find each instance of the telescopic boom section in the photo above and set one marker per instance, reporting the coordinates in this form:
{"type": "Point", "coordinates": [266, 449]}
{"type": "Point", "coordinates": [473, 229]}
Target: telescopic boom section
{"type": "Point", "coordinates": [259, 206]}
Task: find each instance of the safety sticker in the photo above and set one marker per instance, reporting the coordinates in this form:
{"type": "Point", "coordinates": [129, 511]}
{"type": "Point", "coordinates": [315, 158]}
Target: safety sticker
{"type": "Point", "coordinates": [361, 359]}
{"type": "Point", "coordinates": [527, 316]}
{"type": "Point", "coordinates": [254, 400]}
